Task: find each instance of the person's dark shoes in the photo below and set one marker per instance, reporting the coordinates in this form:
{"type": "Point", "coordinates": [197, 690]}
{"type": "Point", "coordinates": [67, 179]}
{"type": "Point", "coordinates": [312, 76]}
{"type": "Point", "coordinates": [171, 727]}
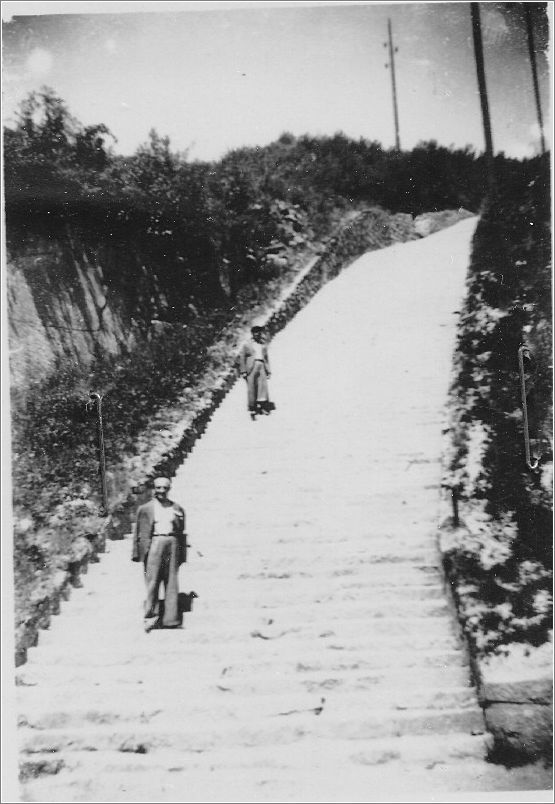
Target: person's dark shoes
{"type": "Point", "coordinates": [150, 624]}
{"type": "Point", "coordinates": [253, 415]}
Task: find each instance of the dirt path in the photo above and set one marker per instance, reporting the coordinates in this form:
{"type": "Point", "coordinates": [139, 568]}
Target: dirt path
{"type": "Point", "coordinates": [321, 660]}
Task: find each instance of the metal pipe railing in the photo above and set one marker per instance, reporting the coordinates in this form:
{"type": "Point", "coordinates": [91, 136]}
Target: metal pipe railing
{"type": "Point", "coordinates": [97, 398]}
{"type": "Point", "coordinates": [523, 394]}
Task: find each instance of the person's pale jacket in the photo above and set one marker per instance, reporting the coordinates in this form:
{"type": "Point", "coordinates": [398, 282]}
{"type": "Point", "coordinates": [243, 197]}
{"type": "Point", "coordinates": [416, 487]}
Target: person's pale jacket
{"type": "Point", "coordinates": [144, 531]}
{"type": "Point", "coordinates": [248, 356]}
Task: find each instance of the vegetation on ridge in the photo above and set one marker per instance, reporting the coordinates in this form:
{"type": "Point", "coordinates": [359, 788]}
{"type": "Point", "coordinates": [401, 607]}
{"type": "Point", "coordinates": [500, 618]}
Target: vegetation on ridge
{"type": "Point", "coordinates": [506, 560]}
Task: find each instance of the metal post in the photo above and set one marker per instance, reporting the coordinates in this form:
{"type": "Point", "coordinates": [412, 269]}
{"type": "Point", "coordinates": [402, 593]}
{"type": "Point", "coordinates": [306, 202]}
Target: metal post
{"type": "Point", "coordinates": [532, 52]}
{"type": "Point", "coordinates": [393, 50]}
{"type": "Point", "coordinates": [101, 456]}
{"type": "Point", "coordinates": [455, 499]}
{"type": "Point", "coordinates": [523, 395]}
{"type": "Point", "coordinates": [479, 55]}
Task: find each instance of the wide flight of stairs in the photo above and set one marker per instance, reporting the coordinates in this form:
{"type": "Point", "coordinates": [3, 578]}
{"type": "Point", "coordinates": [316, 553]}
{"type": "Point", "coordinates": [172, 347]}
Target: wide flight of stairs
{"type": "Point", "coordinates": [322, 659]}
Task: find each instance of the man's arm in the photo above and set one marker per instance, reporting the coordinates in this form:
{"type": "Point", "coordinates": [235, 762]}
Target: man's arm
{"type": "Point", "coordinates": [245, 352]}
{"type": "Point", "coordinates": [180, 532]}
{"type": "Point", "coordinates": [179, 512]}
{"type": "Point", "coordinates": [242, 360]}
{"type": "Point", "coordinates": [135, 555]}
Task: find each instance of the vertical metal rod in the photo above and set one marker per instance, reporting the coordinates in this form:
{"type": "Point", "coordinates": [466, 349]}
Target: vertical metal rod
{"type": "Point", "coordinates": [101, 455]}
{"type": "Point", "coordinates": [455, 499]}
{"type": "Point", "coordinates": [393, 86]}
{"type": "Point", "coordinates": [532, 52]}
{"type": "Point", "coordinates": [523, 395]}
{"type": "Point", "coordinates": [480, 71]}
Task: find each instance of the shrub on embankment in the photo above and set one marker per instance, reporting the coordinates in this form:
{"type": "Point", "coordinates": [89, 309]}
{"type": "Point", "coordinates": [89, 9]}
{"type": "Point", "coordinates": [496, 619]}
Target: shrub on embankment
{"type": "Point", "coordinates": [498, 555]}
{"type": "Point", "coordinates": [505, 557]}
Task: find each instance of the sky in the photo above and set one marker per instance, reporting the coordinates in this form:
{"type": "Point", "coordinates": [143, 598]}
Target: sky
{"type": "Point", "coordinates": [218, 76]}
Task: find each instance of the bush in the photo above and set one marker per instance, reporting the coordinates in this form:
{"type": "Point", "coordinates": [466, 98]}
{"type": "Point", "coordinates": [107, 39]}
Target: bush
{"type": "Point", "coordinates": [508, 304]}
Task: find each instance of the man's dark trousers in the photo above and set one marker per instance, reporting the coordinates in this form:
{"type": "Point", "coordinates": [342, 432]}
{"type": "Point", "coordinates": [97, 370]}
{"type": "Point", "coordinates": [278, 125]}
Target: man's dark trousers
{"type": "Point", "coordinates": [162, 566]}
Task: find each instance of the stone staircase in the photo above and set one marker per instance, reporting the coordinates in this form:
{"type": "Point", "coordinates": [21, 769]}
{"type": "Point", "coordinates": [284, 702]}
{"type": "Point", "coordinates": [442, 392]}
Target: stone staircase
{"type": "Point", "coordinates": [322, 659]}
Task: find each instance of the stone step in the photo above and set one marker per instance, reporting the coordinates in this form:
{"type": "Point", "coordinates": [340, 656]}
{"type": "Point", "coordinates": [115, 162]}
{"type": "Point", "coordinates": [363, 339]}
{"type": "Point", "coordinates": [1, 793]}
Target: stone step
{"type": "Point", "coordinates": [209, 613]}
{"type": "Point", "coordinates": [145, 648]}
{"type": "Point", "coordinates": [341, 593]}
{"type": "Point", "coordinates": [342, 753]}
{"type": "Point", "coordinates": [373, 575]}
{"type": "Point", "coordinates": [256, 567]}
{"type": "Point", "coordinates": [323, 784]}
{"type": "Point", "coordinates": [394, 782]}
{"type": "Point", "coordinates": [288, 537]}
{"type": "Point", "coordinates": [301, 520]}
{"type": "Point", "coordinates": [188, 645]}
{"type": "Point", "coordinates": [289, 552]}
{"type": "Point", "coordinates": [378, 576]}
{"type": "Point", "coordinates": [281, 727]}
{"type": "Point", "coordinates": [313, 541]}
{"type": "Point", "coordinates": [327, 604]}
{"type": "Point", "coordinates": [329, 597]}
{"type": "Point", "coordinates": [387, 664]}
{"type": "Point", "coordinates": [244, 623]}
{"type": "Point", "coordinates": [422, 584]}
{"type": "Point", "coordinates": [165, 704]}
{"type": "Point", "coordinates": [243, 678]}
{"type": "Point", "coordinates": [212, 614]}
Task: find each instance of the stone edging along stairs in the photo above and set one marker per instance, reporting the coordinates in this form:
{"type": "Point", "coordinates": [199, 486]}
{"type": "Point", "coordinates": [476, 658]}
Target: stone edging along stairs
{"type": "Point", "coordinates": [366, 230]}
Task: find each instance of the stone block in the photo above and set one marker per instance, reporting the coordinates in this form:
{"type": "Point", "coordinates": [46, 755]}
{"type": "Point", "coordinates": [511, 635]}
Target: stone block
{"type": "Point", "coordinates": [522, 732]}
{"type": "Point", "coordinates": [522, 675]}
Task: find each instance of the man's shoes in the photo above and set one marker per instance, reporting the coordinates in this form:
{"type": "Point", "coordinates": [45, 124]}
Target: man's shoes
{"type": "Point", "coordinates": [150, 624]}
{"type": "Point", "coordinates": [253, 416]}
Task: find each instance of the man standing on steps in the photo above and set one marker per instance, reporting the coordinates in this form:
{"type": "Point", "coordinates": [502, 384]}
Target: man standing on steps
{"type": "Point", "coordinates": [160, 543]}
{"type": "Point", "coordinates": [254, 366]}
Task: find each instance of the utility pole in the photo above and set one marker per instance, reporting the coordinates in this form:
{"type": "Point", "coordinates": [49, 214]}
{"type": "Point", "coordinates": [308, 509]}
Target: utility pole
{"type": "Point", "coordinates": [479, 54]}
{"type": "Point", "coordinates": [391, 64]}
{"type": "Point", "coordinates": [532, 52]}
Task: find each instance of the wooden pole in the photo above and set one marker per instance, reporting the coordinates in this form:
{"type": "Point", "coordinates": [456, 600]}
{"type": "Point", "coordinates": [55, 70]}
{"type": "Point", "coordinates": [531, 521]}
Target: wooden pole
{"type": "Point", "coordinates": [532, 52]}
{"type": "Point", "coordinates": [393, 86]}
{"type": "Point", "coordinates": [479, 55]}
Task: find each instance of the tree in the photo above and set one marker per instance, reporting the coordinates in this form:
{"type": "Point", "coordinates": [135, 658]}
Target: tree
{"type": "Point", "coordinates": [49, 155]}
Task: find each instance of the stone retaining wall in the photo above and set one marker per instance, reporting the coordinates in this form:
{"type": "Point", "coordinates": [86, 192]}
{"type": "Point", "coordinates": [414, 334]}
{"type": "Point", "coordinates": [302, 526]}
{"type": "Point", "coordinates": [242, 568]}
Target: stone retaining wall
{"type": "Point", "coordinates": [515, 685]}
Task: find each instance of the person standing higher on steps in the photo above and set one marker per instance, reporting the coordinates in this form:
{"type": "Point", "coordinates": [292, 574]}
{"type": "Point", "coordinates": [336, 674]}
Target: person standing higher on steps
{"type": "Point", "coordinates": [254, 366]}
{"type": "Point", "coordinates": [160, 543]}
